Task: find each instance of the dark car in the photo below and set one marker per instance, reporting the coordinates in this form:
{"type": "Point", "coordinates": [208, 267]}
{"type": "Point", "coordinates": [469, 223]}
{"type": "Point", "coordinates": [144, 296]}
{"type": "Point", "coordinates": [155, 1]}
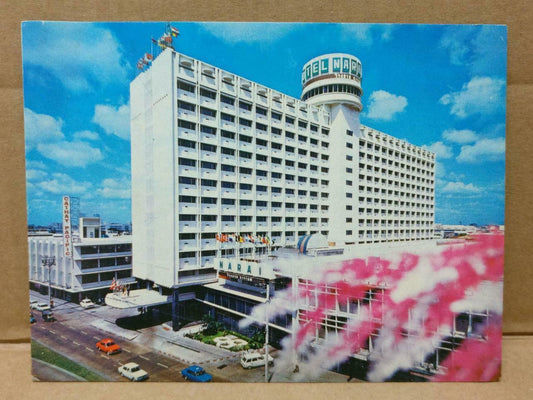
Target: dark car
{"type": "Point", "coordinates": [195, 373]}
{"type": "Point", "coordinates": [48, 316]}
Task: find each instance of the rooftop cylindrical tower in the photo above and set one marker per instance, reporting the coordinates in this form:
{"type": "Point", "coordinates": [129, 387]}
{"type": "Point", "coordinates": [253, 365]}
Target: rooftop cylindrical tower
{"type": "Point", "coordinates": [333, 79]}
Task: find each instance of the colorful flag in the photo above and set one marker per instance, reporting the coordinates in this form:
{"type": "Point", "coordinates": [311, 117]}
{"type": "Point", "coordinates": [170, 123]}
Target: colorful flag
{"type": "Point", "coordinates": [167, 38]}
{"type": "Point", "coordinates": [217, 237]}
{"type": "Point", "coordinates": [154, 41]}
{"type": "Point", "coordinates": [140, 64]}
{"type": "Point", "coordinates": [148, 58]}
{"type": "Point", "coordinates": [174, 32]}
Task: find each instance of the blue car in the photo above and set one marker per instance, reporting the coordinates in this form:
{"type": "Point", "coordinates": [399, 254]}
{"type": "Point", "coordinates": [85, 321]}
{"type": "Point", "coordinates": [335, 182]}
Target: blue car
{"type": "Point", "coordinates": [195, 373]}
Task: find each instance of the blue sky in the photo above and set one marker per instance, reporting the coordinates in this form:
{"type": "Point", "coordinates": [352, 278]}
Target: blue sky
{"type": "Point", "coordinates": [438, 86]}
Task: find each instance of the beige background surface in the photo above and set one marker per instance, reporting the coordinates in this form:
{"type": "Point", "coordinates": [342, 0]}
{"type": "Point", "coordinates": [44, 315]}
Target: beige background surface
{"type": "Point", "coordinates": [518, 302]}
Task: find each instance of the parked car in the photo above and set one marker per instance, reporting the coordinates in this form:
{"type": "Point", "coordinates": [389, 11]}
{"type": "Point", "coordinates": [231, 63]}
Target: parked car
{"type": "Point", "coordinates": [196, 373]}
{"type": "Point", "coordinates": [32, 319]}
{"type": "Point", "coordinates": [33, 304]}
{"type": "Point", "coordinates": [108, 346]}
{"type": "Point", "coordinates": [48, 316]}
{"type": "Point", "coordinates": [252, 359]}
{"type": "Point", "coordinates": [42, 307]}
{"type": "Point", "coordinates": [133, 372]}
{"type": "Point", "coordinates": [87, 303]}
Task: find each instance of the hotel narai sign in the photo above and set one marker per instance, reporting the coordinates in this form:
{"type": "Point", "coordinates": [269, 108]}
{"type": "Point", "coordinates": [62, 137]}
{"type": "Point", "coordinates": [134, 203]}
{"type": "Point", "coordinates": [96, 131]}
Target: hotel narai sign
{"type": "Point", "coordinates": [67, 228]}
{"type": "Point", "coordinates": [244, 267]}
{"type": "Point", "coordinates": [334, 65]}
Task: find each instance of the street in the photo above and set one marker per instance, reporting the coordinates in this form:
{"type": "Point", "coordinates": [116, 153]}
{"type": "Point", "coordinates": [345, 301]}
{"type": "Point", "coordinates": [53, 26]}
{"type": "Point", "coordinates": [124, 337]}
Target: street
{"type": "Point", "coordinates": [159, 351]}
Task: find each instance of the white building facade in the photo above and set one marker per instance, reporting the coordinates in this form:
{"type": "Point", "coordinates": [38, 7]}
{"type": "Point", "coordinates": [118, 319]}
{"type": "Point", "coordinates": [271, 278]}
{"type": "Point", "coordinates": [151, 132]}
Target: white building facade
{"type": "Point", "coordinates": [88, 272]}
{"type": "Point", "coordinates": [213, 152]}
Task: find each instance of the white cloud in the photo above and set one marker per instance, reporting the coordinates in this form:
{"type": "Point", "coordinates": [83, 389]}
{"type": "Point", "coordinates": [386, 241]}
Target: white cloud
{"type": "Point", "coordinates": [80, 55]}
{"type": "Point", "coordinates": [440, 149]}
{"type": "Point", "coordinates": [482, 95]}
{"type": "Point", "coordinates": [460, 187]}
{"type": "Point", "coordinates": [482, 49]}
{"type": "Point", "coordinates": [35, 175]}
{"type": "Point", "coordinates": [90, 135]}
{"type": "Point", "coordinates": [384, 105]}
{"type": "Point", "coordinates": [460, 136]}
{"type": "Point", "coordinates": [440, 170]}
{"type": "Point", "coordinates": [64, 184]}
{"type": "Point", "coordinates": [70, 154]}
{"type": "Point", "coordinates": [114, 121]}
{"type": "Point", "coordinates": [115, 189]}
{"type": "Point", "coordinates": [236, 32]}
{"type": "Point", "coordinates": [40, 128]}
{"type": "Point", "coordinates": [365, 34]}
{"type": "Point", "coordinates": [483, 150]}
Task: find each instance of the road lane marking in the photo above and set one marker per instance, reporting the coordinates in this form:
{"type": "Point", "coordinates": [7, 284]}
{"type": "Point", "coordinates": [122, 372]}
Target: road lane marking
{"type": "Point", "coordinates": [163, 365]}
{"type": "Point", "coordinates": [126, 350]}
{"type": "Point", "coordinates": [95, 337]}
{"type": "Point", "coordinates": [63, 337]}
{"type": "Point", "coordinates": [103, 355]}
{"type": "Point", "coordinates": [144, 358]}
{"type": "Point", "coordinates": [76, 343]}
{"type": "Point", "coordinates": [42, 327]}
{"type": "Point", "coordinates": [88, 349]}
{"type": "Point", "coordinates": [52, 332]}
{"type": "Point", "coordinates": [85, 333]}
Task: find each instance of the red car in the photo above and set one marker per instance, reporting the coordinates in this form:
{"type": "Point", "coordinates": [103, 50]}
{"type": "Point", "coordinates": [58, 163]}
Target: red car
{"type": "Point", "coordinates": [108, 346]}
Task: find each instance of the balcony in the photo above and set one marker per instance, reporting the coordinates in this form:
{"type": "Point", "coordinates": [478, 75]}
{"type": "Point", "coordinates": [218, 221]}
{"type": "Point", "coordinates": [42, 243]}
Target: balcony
{"type": "Point", "coordinates": [209, 208]}
{"type": "Point", "coordinates": [210, 226]}
{"type": "Point", "coordinates": [229, 226]}
{"type": "Point", "coordinates": [190, 190]}
{"type": "Point", "coordinates": [187, 171]}
{"type": "Point", "coordinates": [188, 208]}
{"type": "Point", "coordinates": [189, 262]}
{"type": "Point", "coordinates": [209, 244]}
{"type": "Point", "coordinates": [209, 173]}
{"type": "Point", "coordinates": [188, 226]}
{"type": "Point", "coordinates": [188, 244]}
{"type": "Point", "coordinates": [187, 152]}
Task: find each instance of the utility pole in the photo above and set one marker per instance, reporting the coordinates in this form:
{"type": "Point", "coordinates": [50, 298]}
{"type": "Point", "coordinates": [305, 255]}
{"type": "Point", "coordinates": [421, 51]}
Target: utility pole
{"type": "Point", "coordinates": [266, 330]}
{"type": "Point", "coordinates": [48, 261]}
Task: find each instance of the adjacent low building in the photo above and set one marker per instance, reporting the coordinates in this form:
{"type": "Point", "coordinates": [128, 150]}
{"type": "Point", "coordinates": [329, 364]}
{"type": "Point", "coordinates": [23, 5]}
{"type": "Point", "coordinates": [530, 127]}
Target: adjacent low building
{"type": "Point", "coordinates": [88, 271]}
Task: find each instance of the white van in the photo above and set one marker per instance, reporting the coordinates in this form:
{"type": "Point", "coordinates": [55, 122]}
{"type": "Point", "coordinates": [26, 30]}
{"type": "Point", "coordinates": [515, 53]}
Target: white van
{"type": "Point", "coordinates": [251, 359]}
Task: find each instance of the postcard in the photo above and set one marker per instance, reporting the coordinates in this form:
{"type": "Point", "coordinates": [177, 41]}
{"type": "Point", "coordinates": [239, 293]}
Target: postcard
{"type": "Point", "coordinates": [265, 202]}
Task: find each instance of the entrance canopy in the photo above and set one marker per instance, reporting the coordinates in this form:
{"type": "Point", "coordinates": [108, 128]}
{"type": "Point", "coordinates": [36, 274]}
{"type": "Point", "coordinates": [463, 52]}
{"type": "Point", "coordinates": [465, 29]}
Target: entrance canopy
{"type": "Point", "coordinates": [136, 299]}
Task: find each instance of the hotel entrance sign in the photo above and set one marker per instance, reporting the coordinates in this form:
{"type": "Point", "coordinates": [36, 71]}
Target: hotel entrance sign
{"type": "Point", "coordinates": [244, 267]}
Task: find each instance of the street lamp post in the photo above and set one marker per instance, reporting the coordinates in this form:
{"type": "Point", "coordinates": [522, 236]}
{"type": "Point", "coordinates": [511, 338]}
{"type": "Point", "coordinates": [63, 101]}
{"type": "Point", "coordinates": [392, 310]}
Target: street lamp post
{"type": "Point", "coordinates": [48, 261]}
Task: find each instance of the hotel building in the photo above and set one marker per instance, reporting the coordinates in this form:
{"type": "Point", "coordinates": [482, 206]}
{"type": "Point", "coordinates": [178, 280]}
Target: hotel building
{"type": "Point", "coordinates": [213, 152]}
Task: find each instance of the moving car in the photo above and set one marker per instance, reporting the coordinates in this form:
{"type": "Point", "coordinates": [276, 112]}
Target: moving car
{"type": "Point", "coordinates": [87, 303]}
{"type": "Point", "coordinates": [196, 373]}
{"type": "Point", "coordinates": [133, 372]}
{"type": "Point", "coordinates": [108, 346]}
{"type": "Point", "coordinates": [252, 359]}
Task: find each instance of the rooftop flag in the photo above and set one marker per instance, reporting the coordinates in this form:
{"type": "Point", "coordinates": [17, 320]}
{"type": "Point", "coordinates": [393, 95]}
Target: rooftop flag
{"type": "Point", "coordinates": [174, 31]}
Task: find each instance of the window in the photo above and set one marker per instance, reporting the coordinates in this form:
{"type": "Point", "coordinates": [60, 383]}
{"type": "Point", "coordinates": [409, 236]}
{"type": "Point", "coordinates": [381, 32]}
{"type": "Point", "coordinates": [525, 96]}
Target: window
{"type": "Point", "coordinates": [349, 145]}
{"type": "Point", "coordinates": [225, 150]}
{"type": "Point", "coordinates": [349, 232]}
{"type": "Point", "coordinates": [183, 105]}
{"type": "Point", "coordinates": [208, 93]}
{"type": "Point", "coordinates": [208, 165]}
{"type": "Point", "coordinates": [314, 128]}
{"type": "Point", "coordinates": [209, 182]}
{"type": "Point", "coordinates": [349, 132]}
{"type": "Point", "coordinates": [245, 122]}
{"type": "Point", "coordinates": [245, 106]}
{"type": "Point", "coordinates": [228, 202]}
{"type": "Point", "coordinates": [275, 131]}
{"type": "Point", "coordinates": [245, 138]}
{"type": "Point", "coordinates": [187, 181]}
{"type": "Point", "coordinates": [245, 154]}
{"type": "Point", "coordinates": [209, 200]}
{"type": "Point", "coordinates": [228, 168]}
{"type": "Point", "coordinates": [245, 202]}
{"type": "Point", "coordinates": [261, 110]}
{"type": "Point", "coordinates": [261, 173]}
{"type": "Point", "coordinates": [276, 116]}
{"type": "Point", "coordinates": [349, 183]}
{"type": "Point", "coordinates": [261, 157]}
{"type": "Point", "coordinates": [276, 175]}
{"type": "Point", "coordinates": [208, 129]}
{"type": "Point", "coordinates": [245, 186]}
{"type": "Point", "coordinates": [187, 161]}
{"type": "Point", "coordinates": [209, 218]}
{"type": "Point", "coordinates": [349, 158]}
{"type": "Point", "coordinates": [246, 171]}
{"type": "Point", "coordinates": [208, 147]}
{"type": "Point", "coordinates": [227, 117]}
{"type": "Point", "coordinates": [208, 112]}
{"type": "Point", "coordinates": [228, 185]}
{"type": "Point", "coordinates": [227, 100]}
{"type": "Point", "coordinates": [186, 87]}
{"type": "Point", "coordinates": [261, 127]}
{"type": "Point", "coordinates": [227, 134]}
{"type": "Point", "coordinates": [289, 120]}
{"type": "Point", "coordinates": [349, 170]}
{"type": "Point", "coordinates": [186, 124]}
{"type": "Point", "coordinates": [261, 203]}
{"type": "Point", "coordinates": [187, 217]}
{"type": "Point", "coordinates": [302, 124]}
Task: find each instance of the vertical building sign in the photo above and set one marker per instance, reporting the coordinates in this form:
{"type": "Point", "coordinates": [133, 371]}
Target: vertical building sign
{"type": "Point", "coordinates": [67, 228]}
